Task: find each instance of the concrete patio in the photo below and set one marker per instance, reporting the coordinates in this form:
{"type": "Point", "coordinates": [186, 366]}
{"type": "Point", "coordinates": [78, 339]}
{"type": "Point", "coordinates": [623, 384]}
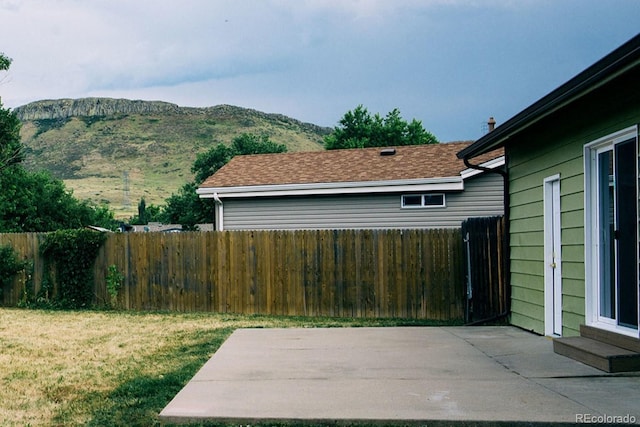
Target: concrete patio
{"type": "Point", "coordinates": [401, 376]}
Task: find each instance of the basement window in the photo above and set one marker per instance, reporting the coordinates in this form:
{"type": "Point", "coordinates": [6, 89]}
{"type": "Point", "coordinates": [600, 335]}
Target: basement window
{"type": "Point", "coordinates": [431, 200]}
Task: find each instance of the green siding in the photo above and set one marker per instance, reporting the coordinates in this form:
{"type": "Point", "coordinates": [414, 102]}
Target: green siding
{"type": "Point", "coordinates": [573, 287]}
{"type": "Point", "coordinates": [572, 304]}
{"type": "Point", "coordinates": [542, 150]}
{"type": "Point", "coordinates": [571, 323]}
{"type": "Point", "coordinates": [520, 225]}
{"type": "Point", "coordinates": [527, 239]}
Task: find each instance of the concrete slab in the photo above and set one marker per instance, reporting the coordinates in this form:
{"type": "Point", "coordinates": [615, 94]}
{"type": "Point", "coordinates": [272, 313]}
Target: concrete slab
{"type": "Point", "coordinates": [453, 375]}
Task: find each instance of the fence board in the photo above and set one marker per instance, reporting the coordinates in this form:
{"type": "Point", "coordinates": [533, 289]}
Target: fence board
{"type": "Point", "coordinates": [349, 273]}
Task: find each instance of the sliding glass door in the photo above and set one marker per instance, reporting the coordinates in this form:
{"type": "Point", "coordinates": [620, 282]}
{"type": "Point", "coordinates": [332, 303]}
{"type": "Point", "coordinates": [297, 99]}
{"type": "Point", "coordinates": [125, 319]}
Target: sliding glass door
{"type": "Point", "coordinates": [612, 205]}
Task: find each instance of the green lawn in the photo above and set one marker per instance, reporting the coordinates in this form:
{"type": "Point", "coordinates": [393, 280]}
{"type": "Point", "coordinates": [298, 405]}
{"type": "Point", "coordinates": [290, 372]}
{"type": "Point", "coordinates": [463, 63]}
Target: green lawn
{"type": "Point", "coordinates": [103, 368]}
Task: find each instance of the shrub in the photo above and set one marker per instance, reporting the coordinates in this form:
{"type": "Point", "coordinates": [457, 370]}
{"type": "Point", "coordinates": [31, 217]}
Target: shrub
{"type": "Point", "coordinates": [73, 253]}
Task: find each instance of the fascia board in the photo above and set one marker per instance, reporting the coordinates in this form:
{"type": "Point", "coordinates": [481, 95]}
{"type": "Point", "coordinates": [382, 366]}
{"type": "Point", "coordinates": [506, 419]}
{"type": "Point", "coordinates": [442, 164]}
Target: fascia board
{"type": "Point", "coordinates": [438, 184]}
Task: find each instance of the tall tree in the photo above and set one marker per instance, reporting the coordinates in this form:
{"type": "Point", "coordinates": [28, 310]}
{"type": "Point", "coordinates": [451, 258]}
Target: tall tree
{"type": "Point", "coordinates": [358, 129]}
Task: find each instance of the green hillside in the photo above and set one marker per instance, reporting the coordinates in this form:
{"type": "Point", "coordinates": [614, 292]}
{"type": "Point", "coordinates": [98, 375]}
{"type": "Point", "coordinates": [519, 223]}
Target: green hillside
{"type": "Point", "coordinates": [118, 151]}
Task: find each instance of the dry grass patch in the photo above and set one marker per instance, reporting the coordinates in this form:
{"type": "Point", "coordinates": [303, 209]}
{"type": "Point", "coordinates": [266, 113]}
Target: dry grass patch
{"type": "Point", "coordinates": [112, 368]}
{"type": "Point", "coordinates": [54, 361]}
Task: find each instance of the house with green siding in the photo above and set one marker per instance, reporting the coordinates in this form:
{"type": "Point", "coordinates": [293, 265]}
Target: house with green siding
{"type": "Point", "coordinates": [572, 197]}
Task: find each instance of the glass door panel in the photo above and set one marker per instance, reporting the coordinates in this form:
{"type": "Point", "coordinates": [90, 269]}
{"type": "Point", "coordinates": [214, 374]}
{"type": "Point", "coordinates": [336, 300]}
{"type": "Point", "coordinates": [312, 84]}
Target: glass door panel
{"type": "Point", "coordinates": [606, 208]}
{"type": "Point", "coordinates": [626, 205]}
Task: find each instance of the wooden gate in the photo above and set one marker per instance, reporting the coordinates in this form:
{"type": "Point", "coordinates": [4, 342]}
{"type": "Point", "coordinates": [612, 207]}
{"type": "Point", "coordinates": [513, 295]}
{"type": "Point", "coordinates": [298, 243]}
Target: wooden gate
{"type": "Point", "coordinates": [485, 268]}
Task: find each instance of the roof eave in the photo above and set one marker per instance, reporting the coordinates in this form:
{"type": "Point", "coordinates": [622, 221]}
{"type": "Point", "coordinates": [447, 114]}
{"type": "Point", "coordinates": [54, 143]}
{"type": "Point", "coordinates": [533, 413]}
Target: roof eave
{"type": "Point", "coordinates": [432, 184]}
{"type": "Point", "coordinates": [617, 62]}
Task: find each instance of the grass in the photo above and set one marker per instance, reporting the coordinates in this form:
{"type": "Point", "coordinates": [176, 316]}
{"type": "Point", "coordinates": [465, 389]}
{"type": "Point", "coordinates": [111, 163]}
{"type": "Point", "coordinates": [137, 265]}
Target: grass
{"type": "Point", "coordinates": [103, 368]}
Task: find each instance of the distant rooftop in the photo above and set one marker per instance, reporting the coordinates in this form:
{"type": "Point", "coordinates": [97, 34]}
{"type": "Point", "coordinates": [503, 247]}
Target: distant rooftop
{"type": "Point", "coordinates": [352, 165]}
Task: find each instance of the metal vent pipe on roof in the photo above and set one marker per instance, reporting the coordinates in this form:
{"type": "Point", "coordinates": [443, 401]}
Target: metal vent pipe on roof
{"type": "Point", "coordinates": [491, 124]}
{"type": "Point", "coordinates": [387, 151]}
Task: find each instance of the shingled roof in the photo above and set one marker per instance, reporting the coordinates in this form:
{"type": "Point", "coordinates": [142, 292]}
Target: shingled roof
{"type": "Point", "coordinates": [336, 166]}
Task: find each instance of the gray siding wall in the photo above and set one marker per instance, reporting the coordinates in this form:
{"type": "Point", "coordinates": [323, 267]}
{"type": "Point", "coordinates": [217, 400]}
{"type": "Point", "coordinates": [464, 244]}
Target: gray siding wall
{"type": "Point", "coordinates": [483, 196]}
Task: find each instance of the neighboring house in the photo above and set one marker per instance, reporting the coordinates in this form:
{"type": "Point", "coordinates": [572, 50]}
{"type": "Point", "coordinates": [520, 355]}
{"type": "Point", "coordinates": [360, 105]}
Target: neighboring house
{"type": "Point", "coordinates": [159, 227]}
{"type": "Point", "coordinates": [572, 164]}
{"type": "Point", "coordinates": [422, 186]}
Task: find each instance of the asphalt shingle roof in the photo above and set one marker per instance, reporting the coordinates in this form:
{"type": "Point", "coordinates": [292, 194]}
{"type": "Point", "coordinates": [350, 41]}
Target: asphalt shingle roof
{"type": "Point", "coordinates": [353, 165]}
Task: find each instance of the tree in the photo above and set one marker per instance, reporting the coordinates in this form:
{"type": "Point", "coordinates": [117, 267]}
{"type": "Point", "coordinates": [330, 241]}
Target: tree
{"type": "Point", "coordinates": [10, 144]}
{"type": "Point", "coordinates": [358, 129]}
{"type": "Point", "coordinates": [208, 163]}
{"type": "Point", "coordinates": [34, 201]}
{"type": "Point", "coordinates": [5, 62]}
{"type": "Point", "coordinates": [186, 207]}
{"type": "Point", "coordinates": [147, 214]}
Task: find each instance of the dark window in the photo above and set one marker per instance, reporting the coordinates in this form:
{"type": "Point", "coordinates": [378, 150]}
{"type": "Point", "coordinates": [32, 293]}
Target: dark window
{"type": "Point", "coordinates": [423, 200]}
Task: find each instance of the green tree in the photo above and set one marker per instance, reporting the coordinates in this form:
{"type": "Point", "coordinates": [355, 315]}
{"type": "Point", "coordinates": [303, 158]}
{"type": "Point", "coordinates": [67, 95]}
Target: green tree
{"type": "Point", "coordinates": [358, 129]}
{"type": "Point", "coordinates": [5, 62]}
{"type": "Point", "coordinates": [252, 144]}
{"type": "Point", "coordinates": [11, 149]}
{"type": "Point", "coordinates": [208, 163]}
{"type": "Point", "coordinates": [10, 145]}
{"type": "Point", "coordinates": [147, 214]}
{"type": "Point", "coordinates": [34, 201]}
{"type": "Point", "coordinates": [186, 207]}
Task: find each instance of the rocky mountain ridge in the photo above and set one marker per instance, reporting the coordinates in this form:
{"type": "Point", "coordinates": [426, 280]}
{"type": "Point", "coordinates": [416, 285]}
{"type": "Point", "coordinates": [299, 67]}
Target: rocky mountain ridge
{"type": "Point", "coordinates": [117, 151]}
{"type": "Point", "coordinates": [60, 109]}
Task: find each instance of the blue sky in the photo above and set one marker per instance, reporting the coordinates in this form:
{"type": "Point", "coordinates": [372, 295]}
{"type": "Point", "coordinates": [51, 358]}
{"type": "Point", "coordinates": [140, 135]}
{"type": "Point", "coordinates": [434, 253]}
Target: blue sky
{"type": "Point", "coordinates": [449, 63]}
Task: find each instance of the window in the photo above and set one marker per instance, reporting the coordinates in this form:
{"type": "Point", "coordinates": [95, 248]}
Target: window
{"type": "Point", "coordinates": [423, 200]}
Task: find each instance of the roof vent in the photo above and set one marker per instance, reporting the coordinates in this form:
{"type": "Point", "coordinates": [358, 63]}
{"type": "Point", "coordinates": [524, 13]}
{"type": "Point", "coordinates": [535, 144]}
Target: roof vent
{"type": "Point", "coordinates": [491, 124]}
{"type": "Point", "coordinates": [388, 152]}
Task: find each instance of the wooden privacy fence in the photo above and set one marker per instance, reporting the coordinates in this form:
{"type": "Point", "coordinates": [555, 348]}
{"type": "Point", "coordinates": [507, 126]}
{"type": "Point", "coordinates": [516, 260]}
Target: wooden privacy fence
{"type": "Point", "coordinates": [485, 273]}
{"type": "Point", "coordinates": [345, 273]}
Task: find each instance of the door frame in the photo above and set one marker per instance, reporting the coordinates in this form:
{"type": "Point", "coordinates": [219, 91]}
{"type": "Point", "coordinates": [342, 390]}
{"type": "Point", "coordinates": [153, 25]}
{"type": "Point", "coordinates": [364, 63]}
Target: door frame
{"type": "Point", "coordinates": [591, 230]}
{"type": "Point", "coordinates": [552, 257]}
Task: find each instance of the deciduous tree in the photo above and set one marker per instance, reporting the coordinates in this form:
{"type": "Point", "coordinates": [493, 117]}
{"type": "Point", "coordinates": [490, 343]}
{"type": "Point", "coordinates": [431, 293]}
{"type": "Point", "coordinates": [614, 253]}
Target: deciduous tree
{"type": "Point", "coordinates": [358, 129]}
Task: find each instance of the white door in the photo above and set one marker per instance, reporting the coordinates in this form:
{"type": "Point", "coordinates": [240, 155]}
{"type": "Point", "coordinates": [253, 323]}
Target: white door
{"type": "Point", "coordinates": [552, 257]}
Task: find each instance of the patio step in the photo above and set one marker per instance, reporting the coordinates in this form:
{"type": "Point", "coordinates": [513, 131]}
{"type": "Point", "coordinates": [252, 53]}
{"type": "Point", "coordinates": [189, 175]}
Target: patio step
{"type": "Point", "coordinates": [601, 355]}
{"type": "Point", "coordinates": [618, 340]}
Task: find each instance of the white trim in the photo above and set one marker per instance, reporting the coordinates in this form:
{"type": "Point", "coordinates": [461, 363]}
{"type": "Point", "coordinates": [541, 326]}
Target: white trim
{"type": "Point", "coordinates": [219, 212]}
{"type": "Point", "coordinates": [552, 257]}
{"type": "Point", "coordinates": [404, 186]}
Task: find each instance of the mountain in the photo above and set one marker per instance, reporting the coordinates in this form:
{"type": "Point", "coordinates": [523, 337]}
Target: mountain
{"type": "Point", "coordinates": [116, 151]}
